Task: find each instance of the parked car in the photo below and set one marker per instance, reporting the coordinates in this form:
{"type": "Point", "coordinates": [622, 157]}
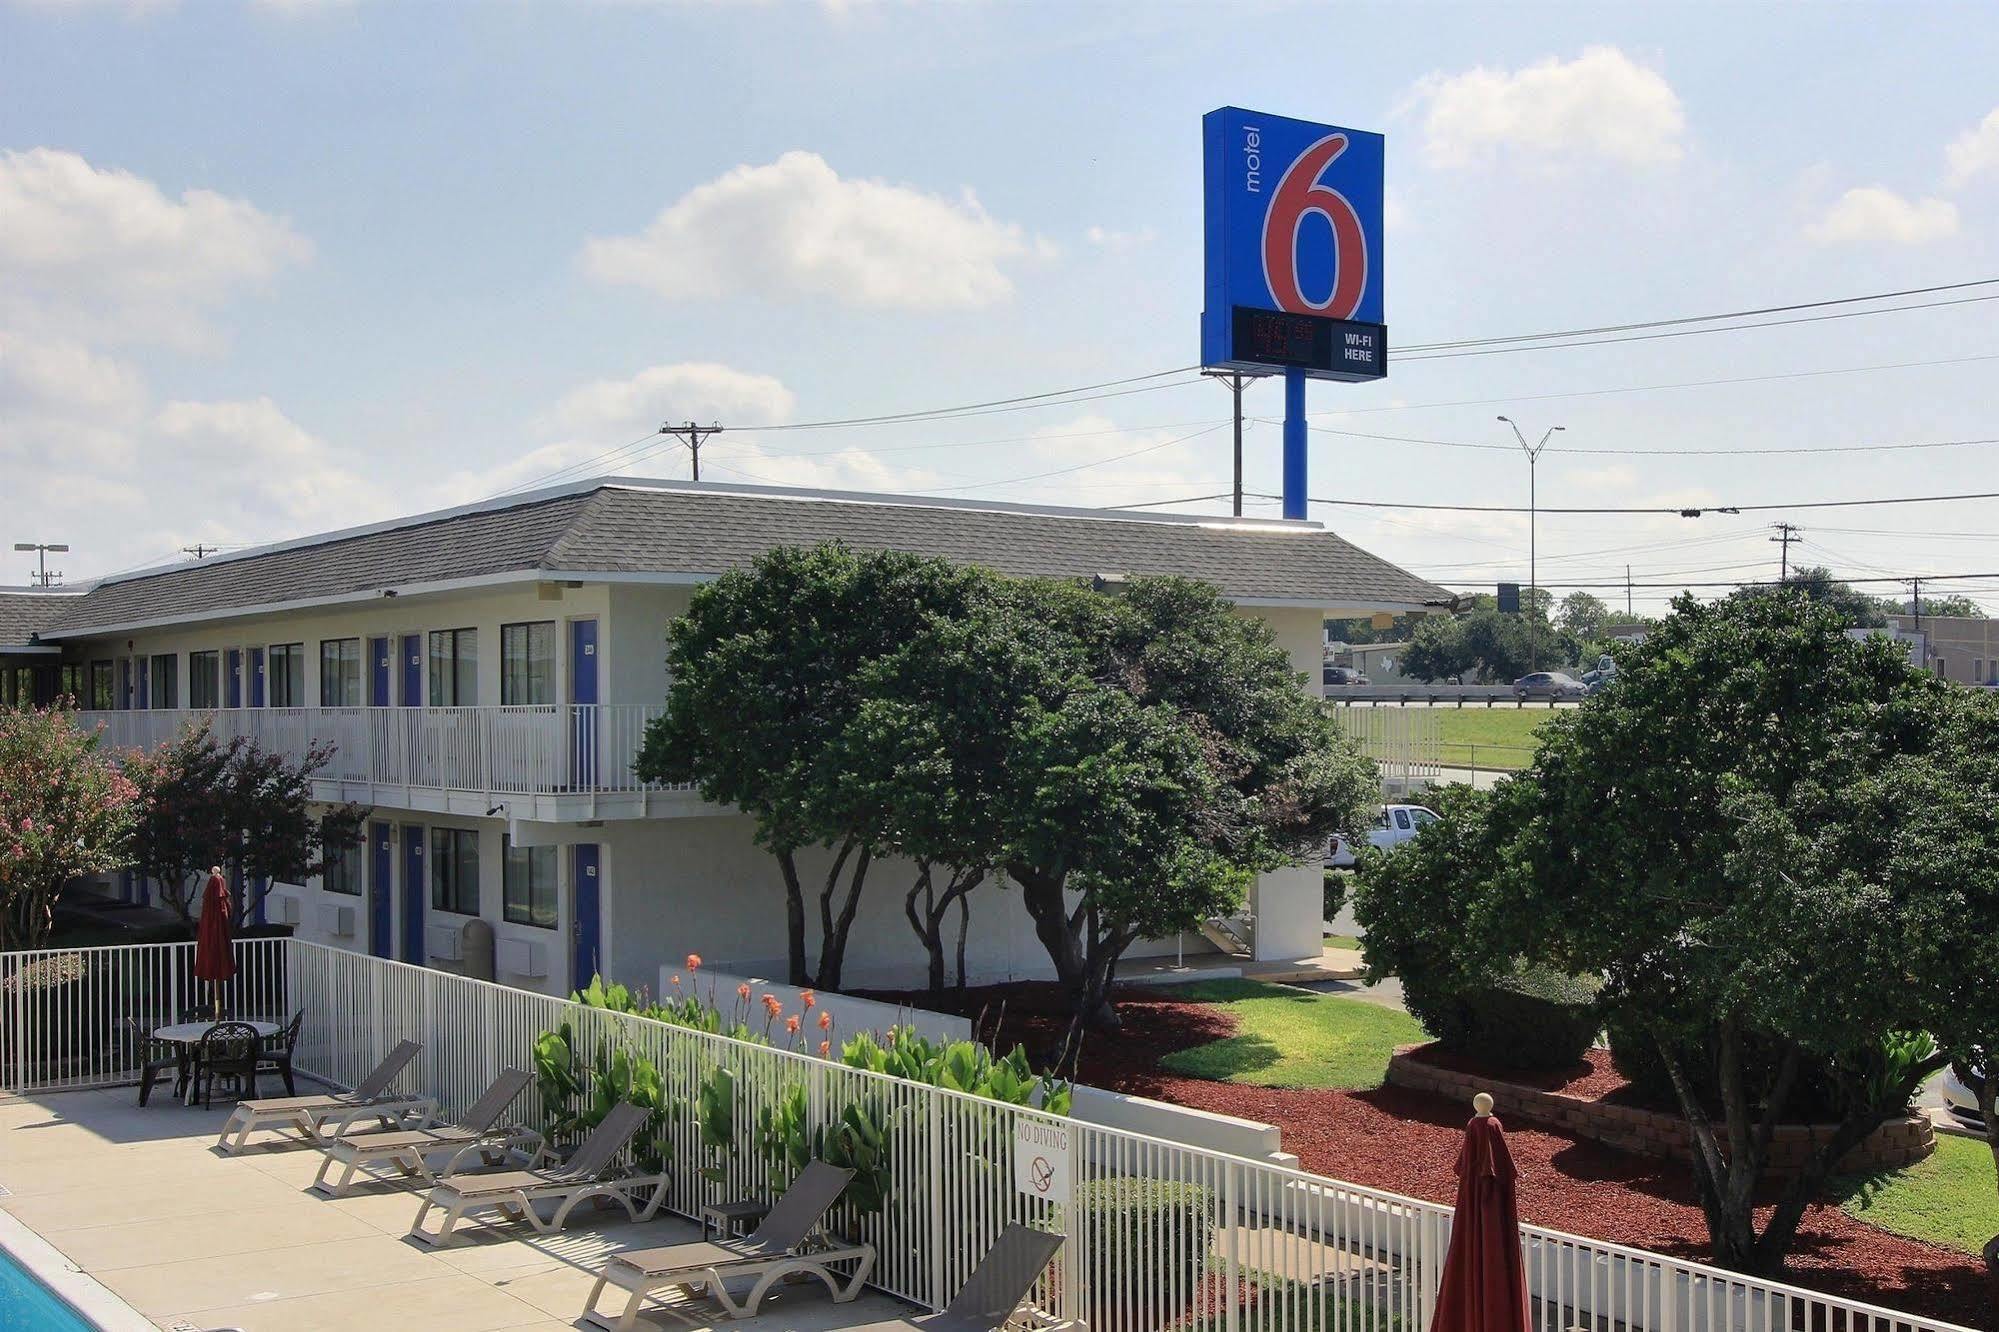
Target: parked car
{"type": "Point", "coordinates": [1395, 825]}
{"type": "Point", "coordinates": [1961, 1101]}
{"type": "Point", "coordinates": [1344, 675]}
{"type": "Point", "coordinates": [1550, 685]}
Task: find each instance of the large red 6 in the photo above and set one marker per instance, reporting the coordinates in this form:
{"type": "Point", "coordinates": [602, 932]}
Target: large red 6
{"type": "Point", "coordinates": [1299, 194]}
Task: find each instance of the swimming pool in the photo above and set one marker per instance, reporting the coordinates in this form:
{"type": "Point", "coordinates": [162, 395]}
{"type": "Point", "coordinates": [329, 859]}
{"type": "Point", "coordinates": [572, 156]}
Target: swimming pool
{"type": "Point", "coordinates": [27, 1304]}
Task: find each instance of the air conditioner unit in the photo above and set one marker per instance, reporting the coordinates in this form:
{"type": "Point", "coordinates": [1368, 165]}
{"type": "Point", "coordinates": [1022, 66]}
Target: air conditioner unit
{"type": "Point", "coordinates": [524, 957]}
{"type": "Point", "coordinates": [336, 920]}
{"type": "Point", "coordinates": [285, 909]}
{"type": "Point", "coordinates": [441, 942]}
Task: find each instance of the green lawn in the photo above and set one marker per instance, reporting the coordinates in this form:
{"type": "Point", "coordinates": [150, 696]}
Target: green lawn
{"type": "Point", "coordinates": [1948, 1199]}
{"type": "Point", "coordinates": [1294, 1038]}
{"type": "Point", "coordinates": [1491, 737]}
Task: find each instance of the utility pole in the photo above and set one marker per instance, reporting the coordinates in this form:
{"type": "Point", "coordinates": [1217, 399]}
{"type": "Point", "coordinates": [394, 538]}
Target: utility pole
{"type": "Point", "coordinates": [1533, 453]}
{"type": "Point", "coordinates": [1628, 613]}
{"type": "Point", "coordinates": [1916, 609]}
{"type": "Point", "coordinates": [1786, 534]}
{"type": "Point", "coordinates": [42, 576]}
{"type": "Point", "coordinates": [691, 435]}
{"type": "Point", "coordinates": [1232, 380]}
{"type": "Point", "coordinates": [199, 550]}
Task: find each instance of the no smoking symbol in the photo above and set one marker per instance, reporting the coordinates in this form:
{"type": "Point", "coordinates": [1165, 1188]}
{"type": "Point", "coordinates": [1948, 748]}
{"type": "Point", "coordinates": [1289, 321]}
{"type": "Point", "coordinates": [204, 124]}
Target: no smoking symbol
{"type": "Point", "coordinates": [1041, 1173]}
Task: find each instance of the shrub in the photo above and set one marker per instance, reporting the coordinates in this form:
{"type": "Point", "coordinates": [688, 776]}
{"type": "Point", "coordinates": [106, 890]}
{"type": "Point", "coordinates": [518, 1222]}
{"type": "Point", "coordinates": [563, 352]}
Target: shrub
{"type": "Point", "coordinates": [1635, 1053]}
{"type": "Point", "coordinates": [1335, 893]}
{"type": "Point", "coordinates": [1534, 1019]}
{"type": "Point", "coordinates": [1170, 1218]}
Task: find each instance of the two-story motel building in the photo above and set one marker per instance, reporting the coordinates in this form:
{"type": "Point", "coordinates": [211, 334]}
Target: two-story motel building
{"type": "Point", "coordinates": [485, 675]}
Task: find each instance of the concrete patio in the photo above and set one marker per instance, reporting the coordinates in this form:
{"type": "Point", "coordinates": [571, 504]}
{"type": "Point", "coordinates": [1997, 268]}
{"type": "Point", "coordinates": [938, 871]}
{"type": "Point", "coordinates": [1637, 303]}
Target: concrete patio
{"type": "Point", "coordinates": [139, 1200]}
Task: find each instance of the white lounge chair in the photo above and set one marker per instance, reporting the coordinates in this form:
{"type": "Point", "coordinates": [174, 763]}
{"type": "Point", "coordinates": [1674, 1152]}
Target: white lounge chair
{"type": "Point", "coordinates": [994, 1297]}
{"type": "Point", "coordinates": [788, 1243]}
{"type": "Point", "coordinates": [592, 1174]}
{"type": "Point", "coordinates": [320, 1119]}
{"type": "Point", "coordinates": [479, 1135]}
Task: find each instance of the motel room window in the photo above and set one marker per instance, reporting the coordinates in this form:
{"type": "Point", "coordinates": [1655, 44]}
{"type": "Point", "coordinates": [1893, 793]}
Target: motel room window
{"type": "Point", "coordinates": [204, 679]}
{"type": "Point", "coordinates": [285, 671]}
{"type": "Point", "coordinates": [527, 662]}
{"type": "Point", "coordinates": [343, 869]}
{"type": "Point", "coordinates": [340, 673]}
{"type": "Point", "coordinates": [103, 690]}
{"type": "Point", "coordinates": [454, 870]}
{"type": "Point", "coordinates": [164, 682]}
{"type": "Point", "coordinates": [69, 684]}
{"type": "Point", "coordinates": [529, 898]}
{"type": "Point", "coordinates": [454, 668]}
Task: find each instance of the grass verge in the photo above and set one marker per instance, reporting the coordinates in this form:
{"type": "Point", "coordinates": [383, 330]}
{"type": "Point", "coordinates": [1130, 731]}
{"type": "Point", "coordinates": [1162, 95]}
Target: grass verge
{"type": "Point", "coordinates": [1948, 1199]}
{"type": "Point", "coordinates": [1490, 737]}
{"type": "Point", "coordinates": [1294, 1038]}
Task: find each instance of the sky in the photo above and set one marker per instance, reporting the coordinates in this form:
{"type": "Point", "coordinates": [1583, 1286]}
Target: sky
{"type": "Point", "coordinates": [285, 266]}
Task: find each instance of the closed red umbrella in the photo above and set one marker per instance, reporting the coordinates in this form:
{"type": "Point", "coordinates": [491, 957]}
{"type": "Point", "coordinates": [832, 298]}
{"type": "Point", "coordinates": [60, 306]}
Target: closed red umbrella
{"type": "Point", "coordinates": [214, 961]}
{"type": "Point", "coordinates": [1484, 1287]}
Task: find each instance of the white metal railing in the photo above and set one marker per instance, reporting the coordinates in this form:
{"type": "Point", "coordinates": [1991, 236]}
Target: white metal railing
{"type": "Point", "coordinates": [533, 750]}
{"type": "Point", "coordinates": [1405, 743]}
{"type": "Point", "coordinates": [1224, 1244]}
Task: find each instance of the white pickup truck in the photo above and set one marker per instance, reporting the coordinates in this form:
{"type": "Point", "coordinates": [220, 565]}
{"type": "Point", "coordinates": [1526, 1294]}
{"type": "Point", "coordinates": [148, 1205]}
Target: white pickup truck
{"type": "Point", "coordinates": [1396, 825]}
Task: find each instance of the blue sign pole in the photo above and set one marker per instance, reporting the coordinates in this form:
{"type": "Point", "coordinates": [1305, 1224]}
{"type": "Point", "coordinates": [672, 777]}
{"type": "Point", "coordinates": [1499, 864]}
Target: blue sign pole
{"type": "Point", "coordinates": [1294, 442]}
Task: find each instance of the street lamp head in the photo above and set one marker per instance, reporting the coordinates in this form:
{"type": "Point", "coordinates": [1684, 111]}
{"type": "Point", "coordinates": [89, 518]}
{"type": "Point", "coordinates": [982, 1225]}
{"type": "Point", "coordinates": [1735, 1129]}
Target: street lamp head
{"type": "Point", "coordinates": [1554, 428]}
{"type": "Point", "coordinates": [24, 545]}
{"type": "Point", "coordinates": [1507, 419]}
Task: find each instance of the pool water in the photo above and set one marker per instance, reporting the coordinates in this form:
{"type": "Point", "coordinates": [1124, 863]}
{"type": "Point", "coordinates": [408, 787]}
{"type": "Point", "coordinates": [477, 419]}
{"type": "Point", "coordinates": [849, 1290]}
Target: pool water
{"type": "Point", "coordinates": [26, 1305]}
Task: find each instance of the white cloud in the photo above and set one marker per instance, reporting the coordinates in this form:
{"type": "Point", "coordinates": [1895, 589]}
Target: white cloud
{"type": "Point", "coordinates": [687, 391]}
{"type": "Point", "coordinates": [1871, 213]}
{"type": "Point", "coordinates": [1975, 151]}
{"type": "Point", "coordinates": [106, 255]}
{"type": "Point", "coordinates": [795, 227]}
{"type": "Point", "coordinates": [1120, 242]}
{"type": "Point", "coordinates": [1601, 106]}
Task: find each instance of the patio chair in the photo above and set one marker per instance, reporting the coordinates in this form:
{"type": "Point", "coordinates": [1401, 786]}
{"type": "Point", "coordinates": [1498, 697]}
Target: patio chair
{"type": "Point", "coordinates": [591, 1175]}
{"type": "Point", "coordinates": [478, 1133]}
{"type": "Point", "coordinates": [994, 1297]}
{"type": "Point", "coordinates": [320, 1119]}
{"type": "Point", "coordinates": [153, 1057]}
{"type": "Point", "coordinates": [228, 1051]}
{"type": "Point", "coordinates": [788, 1243]}
{"type": "Point", "coordinates": [276, 1056]}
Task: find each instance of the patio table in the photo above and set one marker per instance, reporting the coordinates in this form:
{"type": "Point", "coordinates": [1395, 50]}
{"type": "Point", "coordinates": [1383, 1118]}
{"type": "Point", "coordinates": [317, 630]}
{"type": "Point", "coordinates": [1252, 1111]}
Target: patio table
{"type": "Point", "coordinates": [186, 1038]}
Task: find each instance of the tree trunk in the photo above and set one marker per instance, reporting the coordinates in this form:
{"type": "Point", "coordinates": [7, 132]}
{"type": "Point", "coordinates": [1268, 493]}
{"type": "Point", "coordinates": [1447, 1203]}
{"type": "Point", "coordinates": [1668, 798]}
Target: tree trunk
{"type": "Point", "coordinates": [923, 920]}
{"type": "Point", "coordinates": [833, 934]}
{"type": "Point", "coordinates": [794, 918]}
{"type": "Point", "coordinates": [964, 927]}
{"type": "Point", "coordinates": [1058, 931]}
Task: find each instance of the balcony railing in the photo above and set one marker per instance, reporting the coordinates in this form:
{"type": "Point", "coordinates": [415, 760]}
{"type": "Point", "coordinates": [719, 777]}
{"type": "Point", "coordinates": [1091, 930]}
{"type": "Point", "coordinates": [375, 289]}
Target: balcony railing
{"type": "Point", "coordinates": [541, 750]}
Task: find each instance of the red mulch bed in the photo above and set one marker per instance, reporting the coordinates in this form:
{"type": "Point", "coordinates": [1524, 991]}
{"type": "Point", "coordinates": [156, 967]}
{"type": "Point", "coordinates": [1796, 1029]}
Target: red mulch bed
{"type": "Point", "coordinates": [1406, 1142]}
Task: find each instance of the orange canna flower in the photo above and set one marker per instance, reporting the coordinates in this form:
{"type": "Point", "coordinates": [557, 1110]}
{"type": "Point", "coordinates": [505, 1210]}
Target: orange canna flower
{"type": "Point", "coordinates": [772, 1006]}
{"type": "Point", "coordinates": [791, 1025]}
{"type": "Point", "coordinates": [694, 961]}
{"type": "Point", "coordinates": [808, 998]}
{"type": "Point", "coordinates": [676, 980]}
{"type": "Point", "coordinates": [825, 1049]}
{"type": "Point", "coordinates": [743, 990]}
{"type": "Point", "coordinates": [825, 1021]}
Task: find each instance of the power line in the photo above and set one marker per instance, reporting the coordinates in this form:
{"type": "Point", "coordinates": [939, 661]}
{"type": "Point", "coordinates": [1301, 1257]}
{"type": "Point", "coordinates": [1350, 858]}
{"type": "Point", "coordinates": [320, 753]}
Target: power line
{"type": "Point", "coordinates": [1064, 471]}
{"type": "Point", "coordinates": [1658, 453]}
{"type": "Point", "coordinates": [1701, 319]}
{"type": "Point", "coordinates": [1686, 511]}
{"type": "Point", "coordinates": [1886, 578]}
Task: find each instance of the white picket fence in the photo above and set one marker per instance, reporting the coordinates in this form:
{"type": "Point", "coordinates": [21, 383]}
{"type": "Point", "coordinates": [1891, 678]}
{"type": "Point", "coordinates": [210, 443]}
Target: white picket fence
{"type": "Point", "coordinates": [1222, 1244]}
{"type": "Point", "coordinates": [1405, 743]}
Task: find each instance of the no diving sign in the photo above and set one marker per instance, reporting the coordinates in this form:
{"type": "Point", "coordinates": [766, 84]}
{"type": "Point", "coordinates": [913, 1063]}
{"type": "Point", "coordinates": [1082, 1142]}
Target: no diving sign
{"type": "Point", "coordinates": [1042, 1167]}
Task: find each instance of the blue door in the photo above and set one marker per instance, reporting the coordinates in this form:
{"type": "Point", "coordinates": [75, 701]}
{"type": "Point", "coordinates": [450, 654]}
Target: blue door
{"type": "Point", "coordinates": [256, 677]}
{"type": "Point", "coordinates": [144, 699]}
{"type": "Point", "coordinates": [381, 874]}
{"type": "Point", "coordinates": [415, 884]}
{"type": "Point", "coordinates": [378, 665]}
{"type": "Point", "coordinates": [125, 683]}
{"type": "Point", "coordinates": [235, 684]}
{"type": "Point", "coordinates": [587, 922]}
{"type": "Point", "coordinates": [583, 693]}
{"type": "Point", "coordinates": [412, 670]}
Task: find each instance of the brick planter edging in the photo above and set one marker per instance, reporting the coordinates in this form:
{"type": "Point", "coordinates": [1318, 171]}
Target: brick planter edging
{"type": "Point", "coordinates": [1896, 1143]}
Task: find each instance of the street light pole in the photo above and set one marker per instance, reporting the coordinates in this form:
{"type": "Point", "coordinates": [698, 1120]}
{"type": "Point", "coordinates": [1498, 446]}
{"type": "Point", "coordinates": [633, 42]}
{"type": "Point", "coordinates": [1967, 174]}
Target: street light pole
{"type": "Point", "coordinates": [1533, 453]}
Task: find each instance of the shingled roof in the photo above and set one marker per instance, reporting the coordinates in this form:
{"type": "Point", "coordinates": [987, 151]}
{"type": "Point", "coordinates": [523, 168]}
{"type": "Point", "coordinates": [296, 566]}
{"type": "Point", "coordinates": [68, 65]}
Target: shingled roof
{"type": "Point", "coordinates": [691, 531]}
{"type": "Point", "coordinates": [25, 613]}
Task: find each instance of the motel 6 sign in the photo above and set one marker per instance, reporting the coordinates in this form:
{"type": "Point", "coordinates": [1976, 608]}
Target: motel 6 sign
{"type": "Point", "coordinates": [1294, 247]}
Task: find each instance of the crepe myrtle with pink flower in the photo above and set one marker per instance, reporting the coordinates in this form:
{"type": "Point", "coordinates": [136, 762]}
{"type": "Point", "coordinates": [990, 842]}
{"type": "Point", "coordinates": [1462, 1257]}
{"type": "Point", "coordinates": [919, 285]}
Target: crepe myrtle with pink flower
{"type": "Point", "coordinates": [65, 812]}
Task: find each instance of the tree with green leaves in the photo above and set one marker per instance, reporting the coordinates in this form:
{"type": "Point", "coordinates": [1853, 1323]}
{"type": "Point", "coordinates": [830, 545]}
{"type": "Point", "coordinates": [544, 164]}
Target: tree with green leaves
{"type": "Point", "coordinates": [65, 811]}
{"type": "Point", "coordinates": [1490, 645]}
{"type": "Point", "coordinates": [1956, 604]}
{"type": "Point", "coordinates": [771, 668]}
{"type": "Point", "coordinates": [1690, 839]}
{"type": "Point", "coordinates": [1816, 583]}
{"type": "Point", "coordinates": [204, 802]}
{"type": "Point", "coordinates": [1582, 616]}
{"type": "Point", "coordinates": [1176, 759]}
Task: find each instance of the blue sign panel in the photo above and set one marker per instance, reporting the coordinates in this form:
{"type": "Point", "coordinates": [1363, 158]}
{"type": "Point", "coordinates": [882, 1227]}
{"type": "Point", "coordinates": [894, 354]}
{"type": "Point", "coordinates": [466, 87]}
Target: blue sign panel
{"type": "Point", "coordinates": [1294, 247]}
